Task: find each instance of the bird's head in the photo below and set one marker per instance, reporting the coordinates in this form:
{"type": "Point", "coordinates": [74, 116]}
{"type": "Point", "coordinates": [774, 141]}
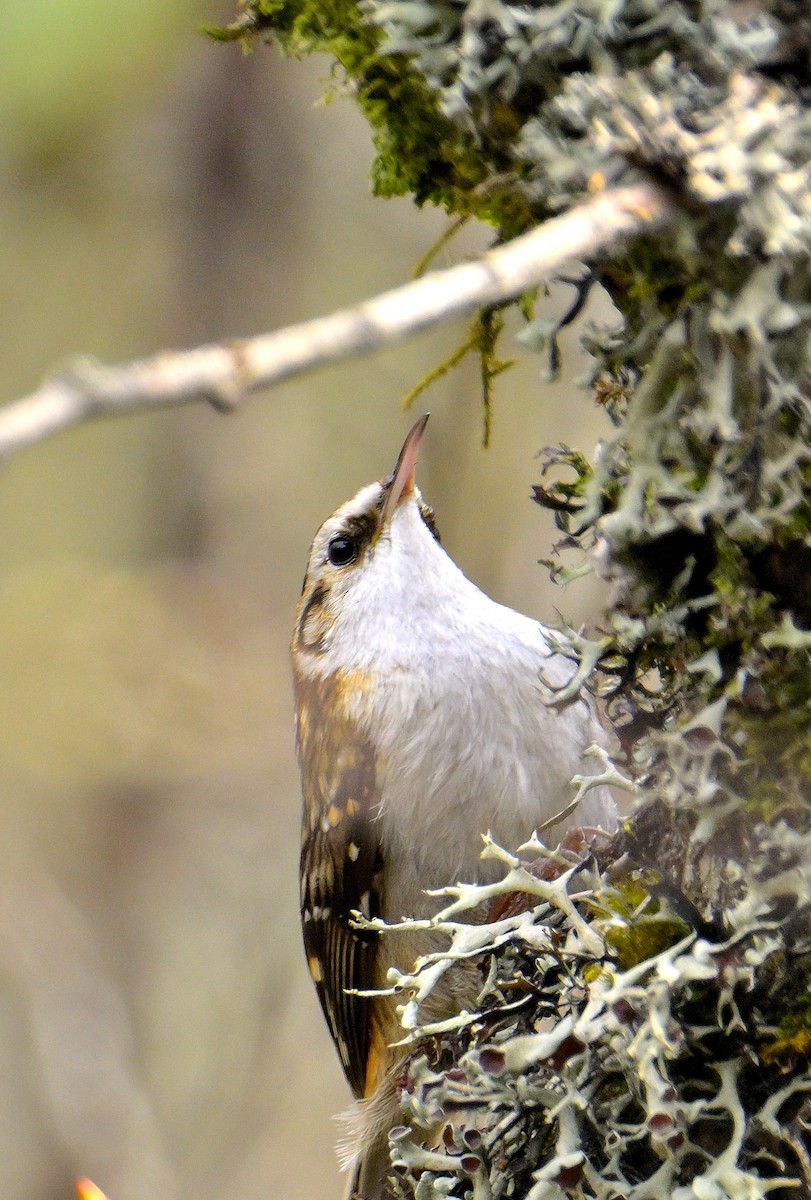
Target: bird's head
{"type": "Point", "coordinates": [367, 551]}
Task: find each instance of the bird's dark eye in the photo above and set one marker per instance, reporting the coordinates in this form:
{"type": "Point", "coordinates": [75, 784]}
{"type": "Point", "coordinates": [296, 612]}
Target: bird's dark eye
{"type": "Point", "coordinates": [342, 550]}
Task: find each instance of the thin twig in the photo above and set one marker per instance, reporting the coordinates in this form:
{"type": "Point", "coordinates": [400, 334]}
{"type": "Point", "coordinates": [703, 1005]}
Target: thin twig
{"type": "Point", "coordinates": [223, 374]}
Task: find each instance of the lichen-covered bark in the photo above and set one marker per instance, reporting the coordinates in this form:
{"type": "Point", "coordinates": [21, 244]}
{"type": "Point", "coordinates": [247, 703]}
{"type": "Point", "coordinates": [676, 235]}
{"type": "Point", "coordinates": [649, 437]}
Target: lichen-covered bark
{"type": "Point", "coordinates": [627, 1049]}
{"type": "Point", "coordinates": [630, 1066]}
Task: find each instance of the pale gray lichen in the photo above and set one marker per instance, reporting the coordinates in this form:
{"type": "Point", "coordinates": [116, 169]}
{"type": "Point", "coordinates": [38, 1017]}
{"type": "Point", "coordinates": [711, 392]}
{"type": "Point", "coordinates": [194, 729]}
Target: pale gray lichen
{"type": "Point", "coordinates": [614, 1050]}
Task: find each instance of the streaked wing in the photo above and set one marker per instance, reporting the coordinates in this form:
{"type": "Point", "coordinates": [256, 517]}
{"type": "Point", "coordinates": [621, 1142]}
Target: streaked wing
{"type": "Point", "coordinates": [340, 957]}
{"type": "Point", "coordinates": [340, 867]}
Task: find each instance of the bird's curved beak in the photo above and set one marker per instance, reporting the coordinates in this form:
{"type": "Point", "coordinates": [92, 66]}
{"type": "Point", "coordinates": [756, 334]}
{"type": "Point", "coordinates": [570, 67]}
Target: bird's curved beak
{"type": "Point", "coordinates": [401, 482]}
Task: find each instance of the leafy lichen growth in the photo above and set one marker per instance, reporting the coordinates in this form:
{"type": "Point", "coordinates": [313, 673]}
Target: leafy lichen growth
{"type": "Point", "coordinates": [600, 1062]}
{"type": "Point", "coordinates": [696, 510]}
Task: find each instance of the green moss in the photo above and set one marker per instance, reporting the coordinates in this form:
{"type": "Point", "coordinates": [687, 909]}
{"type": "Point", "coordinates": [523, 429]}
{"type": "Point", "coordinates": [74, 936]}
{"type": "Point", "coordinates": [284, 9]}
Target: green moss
{"type": "Point", "coordinates": [793, 1039]}
{"type": "Point", "coordinates": [771, 726]}
{"type": "Point", "coordinates": [419, 152]}
{"type": "Point", "coordinates": [482, 339]}
{"type": "Point", "coordinates": [648, 925]}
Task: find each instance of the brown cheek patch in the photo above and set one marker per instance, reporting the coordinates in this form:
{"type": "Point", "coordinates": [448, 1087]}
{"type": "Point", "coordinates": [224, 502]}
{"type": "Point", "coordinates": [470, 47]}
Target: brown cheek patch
{"type": "Point", "coordinates": [314, 623]}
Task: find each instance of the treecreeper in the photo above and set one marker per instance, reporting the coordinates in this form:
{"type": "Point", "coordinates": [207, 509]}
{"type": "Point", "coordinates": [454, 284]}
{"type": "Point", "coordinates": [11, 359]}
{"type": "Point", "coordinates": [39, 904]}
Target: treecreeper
{"type": "Point", "coordinates": [421, 725]}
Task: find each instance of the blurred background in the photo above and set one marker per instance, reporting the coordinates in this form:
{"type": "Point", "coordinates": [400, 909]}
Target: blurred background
{"type": "Point", "coordinates": [158, 1032]}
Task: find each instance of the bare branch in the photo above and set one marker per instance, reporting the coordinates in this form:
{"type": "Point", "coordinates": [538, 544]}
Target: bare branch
{"type": "Point", "coordinates": [223, 374]}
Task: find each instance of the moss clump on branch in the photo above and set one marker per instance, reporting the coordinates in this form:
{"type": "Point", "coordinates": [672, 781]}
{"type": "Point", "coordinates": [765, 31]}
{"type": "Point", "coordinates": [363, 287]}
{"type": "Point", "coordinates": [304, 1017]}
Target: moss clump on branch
{"type": "Point", "coordinates": [511, 111]}
{"type": "Point", "coordinates": [419, 151]}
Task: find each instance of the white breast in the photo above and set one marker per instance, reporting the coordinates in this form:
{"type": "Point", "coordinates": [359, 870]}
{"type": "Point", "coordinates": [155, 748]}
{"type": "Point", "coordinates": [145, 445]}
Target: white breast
{"type": "Point", "coordinates": [466, 742]}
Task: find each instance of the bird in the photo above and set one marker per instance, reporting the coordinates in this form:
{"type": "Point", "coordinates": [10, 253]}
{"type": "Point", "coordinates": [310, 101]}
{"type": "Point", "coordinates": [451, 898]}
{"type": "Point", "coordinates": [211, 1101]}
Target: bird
{"type": "Point", "coordinates": [421, 725]}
